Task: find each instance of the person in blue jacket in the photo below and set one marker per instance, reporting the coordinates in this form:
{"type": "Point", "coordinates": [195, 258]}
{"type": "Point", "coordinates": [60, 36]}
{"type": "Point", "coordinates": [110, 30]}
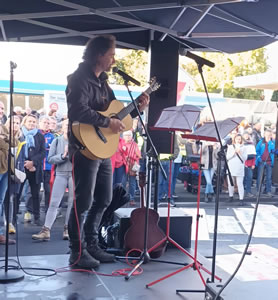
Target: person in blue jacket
{"type": "Point", "coordinates": [265, 158]}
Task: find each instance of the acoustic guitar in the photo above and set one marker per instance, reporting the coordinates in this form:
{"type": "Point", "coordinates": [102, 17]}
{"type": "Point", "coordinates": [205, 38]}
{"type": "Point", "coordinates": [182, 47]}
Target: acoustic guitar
{"type": "Point", "coordinates": [134, 237]}
{"type": "Point", "coordinates": [99, 142]}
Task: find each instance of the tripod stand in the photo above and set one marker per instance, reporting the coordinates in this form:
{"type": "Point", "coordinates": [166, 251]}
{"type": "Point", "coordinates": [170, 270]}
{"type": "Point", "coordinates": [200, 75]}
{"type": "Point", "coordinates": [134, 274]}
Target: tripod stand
{"type": "Point", "coordinates": [144, 257]}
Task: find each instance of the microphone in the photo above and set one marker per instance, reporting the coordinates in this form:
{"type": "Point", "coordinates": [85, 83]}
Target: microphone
{"type": "Point", "coordinates": [125, 76]}
{"type": "Point", "coordinates": [198, 59]}
{"type": "Point", "coordinates": [13, 65]}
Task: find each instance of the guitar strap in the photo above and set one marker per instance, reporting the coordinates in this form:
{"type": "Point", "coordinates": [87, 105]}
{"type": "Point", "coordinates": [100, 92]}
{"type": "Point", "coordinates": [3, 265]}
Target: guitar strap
{"type": "Point", "coordinates": [238, 156]}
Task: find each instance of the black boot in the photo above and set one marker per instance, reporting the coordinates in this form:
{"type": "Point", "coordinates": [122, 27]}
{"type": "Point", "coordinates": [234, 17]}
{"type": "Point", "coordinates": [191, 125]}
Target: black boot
{"type": "Point", "coordinates": [96, 252]}
{"type": "Point", "coordinates": [206, 198]}
{"type": "Point", "coordinates": [86, 260]}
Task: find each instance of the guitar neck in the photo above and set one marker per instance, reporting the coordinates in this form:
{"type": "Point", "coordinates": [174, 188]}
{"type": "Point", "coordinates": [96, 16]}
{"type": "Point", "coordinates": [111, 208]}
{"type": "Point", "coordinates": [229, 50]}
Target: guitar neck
{"type": "Point", "coordinates": [142, 184]}
{"type": "Point", "coordinates": [142, 196]}
{"type": "Point", "coordinates": [130, 107]}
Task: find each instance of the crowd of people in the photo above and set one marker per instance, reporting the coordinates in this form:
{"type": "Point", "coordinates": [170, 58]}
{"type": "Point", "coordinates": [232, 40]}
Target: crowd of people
{"type": "Point", "coordinates": [40, 151]}
{"type": "Point", "coordinates": [47, 156]}
{"type": "Point", "coordinates": [248, 153]}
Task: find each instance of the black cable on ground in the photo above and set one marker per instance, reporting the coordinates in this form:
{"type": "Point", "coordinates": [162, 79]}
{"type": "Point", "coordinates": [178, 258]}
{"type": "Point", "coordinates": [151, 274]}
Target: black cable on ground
{"type": "Point", "coordinates": [20, 267]}
{"type": "Point", "coordinates": [248, 240]}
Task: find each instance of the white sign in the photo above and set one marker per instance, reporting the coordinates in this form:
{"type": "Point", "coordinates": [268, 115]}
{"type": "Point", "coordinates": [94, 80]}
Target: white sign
{"type": "Point", "coordinates": [55, 100]}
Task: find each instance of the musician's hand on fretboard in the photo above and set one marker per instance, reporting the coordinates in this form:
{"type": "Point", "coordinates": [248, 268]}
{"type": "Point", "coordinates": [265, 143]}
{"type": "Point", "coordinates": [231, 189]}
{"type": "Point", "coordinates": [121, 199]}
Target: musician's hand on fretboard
{"type": "Point", "coordinates": [144, 100]}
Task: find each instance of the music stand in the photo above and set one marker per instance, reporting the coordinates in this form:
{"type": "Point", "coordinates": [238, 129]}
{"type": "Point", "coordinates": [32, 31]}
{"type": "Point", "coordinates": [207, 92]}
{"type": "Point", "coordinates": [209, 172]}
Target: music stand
{"type": "Point", "coordinates": [207, 133]}
{"type": "Point", "coordinates": [196, 265]}
{"type": "Point", "coordinates": [173, 123]}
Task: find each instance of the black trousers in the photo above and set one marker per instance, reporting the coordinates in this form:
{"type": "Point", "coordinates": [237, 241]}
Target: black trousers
{"type": "Point", "coordinates": [46, 187]}
{"type": "Point", "coordinates": [33, 203]}
{"type": "Point", "coordinates": [93, 194]}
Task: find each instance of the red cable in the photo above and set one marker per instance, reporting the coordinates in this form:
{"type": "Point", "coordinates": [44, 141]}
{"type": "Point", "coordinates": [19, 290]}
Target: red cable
{"type": "Point", "coordinates": [76, 217]}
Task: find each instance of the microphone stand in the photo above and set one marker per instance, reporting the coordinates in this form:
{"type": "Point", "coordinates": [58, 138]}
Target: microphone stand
{"type": "Point", "coordinates": [7, 275]}
{"type": "Point", "coordinates": [221, 156]}
{"type": "Point", "coordinates": [153, 155]}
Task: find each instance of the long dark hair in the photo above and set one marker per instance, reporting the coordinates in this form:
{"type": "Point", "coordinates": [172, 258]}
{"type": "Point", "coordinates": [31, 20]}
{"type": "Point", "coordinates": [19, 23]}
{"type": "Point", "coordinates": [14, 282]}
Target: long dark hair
{"type": "Point", "coordinates": [99, 45]}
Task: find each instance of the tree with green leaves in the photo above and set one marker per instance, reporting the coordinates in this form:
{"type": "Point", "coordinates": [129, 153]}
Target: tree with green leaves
{"type": "Point", "coordinates": [134, 63]}
{"type": "Point", "coordinates": [227, 67]}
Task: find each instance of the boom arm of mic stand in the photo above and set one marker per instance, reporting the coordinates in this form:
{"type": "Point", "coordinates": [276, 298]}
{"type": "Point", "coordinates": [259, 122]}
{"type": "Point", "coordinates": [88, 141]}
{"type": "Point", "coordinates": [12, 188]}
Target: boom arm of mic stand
{"type": "Point", "coordinates": [154, 151]}
{"type": "Point", "coordinates": [221, 155]}
{"type": "Point", "coordinates": [215, 124]}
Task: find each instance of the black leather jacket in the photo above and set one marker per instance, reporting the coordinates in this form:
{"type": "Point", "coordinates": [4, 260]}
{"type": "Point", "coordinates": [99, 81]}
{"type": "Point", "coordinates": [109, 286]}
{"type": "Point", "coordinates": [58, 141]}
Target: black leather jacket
{"type": "Point", "coordinates": [87, 94]}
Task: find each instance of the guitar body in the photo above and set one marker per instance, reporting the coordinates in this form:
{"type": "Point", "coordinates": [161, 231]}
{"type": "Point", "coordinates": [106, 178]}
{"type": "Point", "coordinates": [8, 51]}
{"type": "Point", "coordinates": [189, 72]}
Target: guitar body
{"type": "Point", "coordinates": [101, 143]}
{"type": "Point", "coordinates": [134, 237]}
{"type": "Point", "coordinates": [86, 134]}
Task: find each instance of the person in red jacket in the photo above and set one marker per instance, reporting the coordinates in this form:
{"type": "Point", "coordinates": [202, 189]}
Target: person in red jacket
{"type": "Point", "coordinates": [119, 164]}
{"type": "Point", "coordinates": [133, 156]}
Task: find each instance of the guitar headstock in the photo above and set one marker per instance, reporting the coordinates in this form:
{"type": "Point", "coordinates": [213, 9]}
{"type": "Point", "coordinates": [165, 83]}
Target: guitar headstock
{"type": "Point", "coordinates": [154, 84]}
{"type": "Point", "coordinates": [142, 179]}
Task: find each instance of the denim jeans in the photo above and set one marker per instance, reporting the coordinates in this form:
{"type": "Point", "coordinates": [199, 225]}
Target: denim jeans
{"type": "Point", "coordinates": [131, 187]}
{"type": "Point", "coordinates": [163, 183]}
{"type": "Point", "coordinates": [61, 182]}
{"type": "Point", "coordinates": [248, 177]}
{"type": "Point", "coordinates": [208, 173]}
{"type": "Point", "coordinates": [93, 194]}
{"type": "Point", "coordinates": [46, 187]}
{"type": "Point", "coordinates": [175, 172]}
{"type": "Point", "coordinates": [268, 176]}
{"type": "Point", "coordinates": [3, 189]}
{"type": "Point", "coordinates": [119, 175]}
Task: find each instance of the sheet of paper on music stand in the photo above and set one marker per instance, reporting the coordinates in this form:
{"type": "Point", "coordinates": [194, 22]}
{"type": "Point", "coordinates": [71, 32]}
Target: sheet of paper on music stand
{"type": "Point", "coordinates": [182, 118]}
{"type": "Point", "coordinates": [207, 131]}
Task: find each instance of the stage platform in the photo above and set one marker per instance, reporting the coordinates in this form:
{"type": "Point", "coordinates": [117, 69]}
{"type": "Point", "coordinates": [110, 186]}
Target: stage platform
{"type": "Point", "coordinates": [77, 285]}
{"type": "Point", "coordinates": [256, 280]}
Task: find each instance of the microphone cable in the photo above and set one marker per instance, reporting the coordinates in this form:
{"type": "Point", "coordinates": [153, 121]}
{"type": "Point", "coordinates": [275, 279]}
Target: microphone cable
{"type": "Point", "coordinates": [249, 236]}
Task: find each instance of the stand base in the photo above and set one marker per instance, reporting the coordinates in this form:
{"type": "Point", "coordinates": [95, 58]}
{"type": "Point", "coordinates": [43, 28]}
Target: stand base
{"type": "Point", "coordinates": [190, 291]}
{"type": "Point", "coordinates": [211, 291]}
{"type": "Point", "coordinates": [11, 276]}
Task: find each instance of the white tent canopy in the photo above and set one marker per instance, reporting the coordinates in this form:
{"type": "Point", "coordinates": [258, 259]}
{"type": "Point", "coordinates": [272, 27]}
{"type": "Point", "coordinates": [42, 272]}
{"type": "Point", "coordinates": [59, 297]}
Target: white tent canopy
{"type": "Point", "coordinates": [251, 110]}
{"type": "Point", "coordinates": [262, 81]}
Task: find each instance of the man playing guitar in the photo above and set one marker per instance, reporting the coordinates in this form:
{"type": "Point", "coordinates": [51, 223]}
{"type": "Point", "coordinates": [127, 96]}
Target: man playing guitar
{"type": "Point", "coordinates": [87, 93]}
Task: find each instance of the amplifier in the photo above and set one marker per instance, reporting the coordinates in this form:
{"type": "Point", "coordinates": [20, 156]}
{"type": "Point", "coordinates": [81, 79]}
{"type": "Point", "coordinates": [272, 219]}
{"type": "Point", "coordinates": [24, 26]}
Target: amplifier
{"type": "Point", "coordinates": [180, 225]}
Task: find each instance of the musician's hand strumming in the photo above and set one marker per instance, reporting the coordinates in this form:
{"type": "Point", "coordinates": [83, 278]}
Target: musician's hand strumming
{"type": "Point", "coordinates": [116, 125]}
